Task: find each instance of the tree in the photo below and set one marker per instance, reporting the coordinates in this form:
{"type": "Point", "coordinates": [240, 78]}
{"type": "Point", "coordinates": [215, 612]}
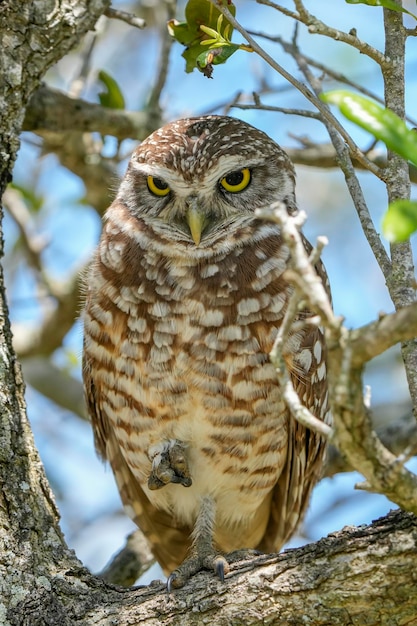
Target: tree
{"type": "Point", "coordinates": [356, 575]}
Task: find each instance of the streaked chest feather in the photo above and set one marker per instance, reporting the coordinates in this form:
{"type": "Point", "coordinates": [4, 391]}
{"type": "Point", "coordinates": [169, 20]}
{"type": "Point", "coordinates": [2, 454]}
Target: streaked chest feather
{"type": "Point", "coordinates": [180, 352]}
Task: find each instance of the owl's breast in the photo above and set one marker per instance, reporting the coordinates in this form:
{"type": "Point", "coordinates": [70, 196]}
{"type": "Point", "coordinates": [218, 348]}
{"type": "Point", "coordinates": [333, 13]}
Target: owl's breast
{"type": "Point", "coordinates": [187, 359]}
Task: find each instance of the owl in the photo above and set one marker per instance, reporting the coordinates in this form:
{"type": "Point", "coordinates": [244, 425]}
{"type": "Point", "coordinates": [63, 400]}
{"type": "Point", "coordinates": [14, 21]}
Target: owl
{"type": "Point", "coordinates": [185, 296]}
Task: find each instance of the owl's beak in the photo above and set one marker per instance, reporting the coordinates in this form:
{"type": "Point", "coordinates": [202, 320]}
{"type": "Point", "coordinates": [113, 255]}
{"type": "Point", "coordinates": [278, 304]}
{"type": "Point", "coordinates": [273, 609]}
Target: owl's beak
{"type": "Point", "coordinates": [197, 221]}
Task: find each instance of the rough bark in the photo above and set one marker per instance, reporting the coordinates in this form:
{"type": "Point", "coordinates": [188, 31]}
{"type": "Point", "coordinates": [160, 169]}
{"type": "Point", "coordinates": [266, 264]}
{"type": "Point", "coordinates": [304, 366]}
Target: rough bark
{"type": "Point", "coordinates": [362, 575]}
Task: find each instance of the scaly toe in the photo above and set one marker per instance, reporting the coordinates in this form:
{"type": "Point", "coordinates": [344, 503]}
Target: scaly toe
{"type": "Point", "coordinates": [214, 562]}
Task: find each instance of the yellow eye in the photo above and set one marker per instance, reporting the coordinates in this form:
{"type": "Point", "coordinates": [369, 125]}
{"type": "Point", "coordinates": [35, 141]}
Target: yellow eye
{"type": "Point", "coordinates": [157, 186]}
{"type": "Point", "coordinates": [236, 181]}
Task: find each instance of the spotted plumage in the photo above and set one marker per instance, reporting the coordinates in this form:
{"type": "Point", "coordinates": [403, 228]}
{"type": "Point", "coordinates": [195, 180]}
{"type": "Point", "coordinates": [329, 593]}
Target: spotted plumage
{"type": "Point", "coordinates": [185, 296]}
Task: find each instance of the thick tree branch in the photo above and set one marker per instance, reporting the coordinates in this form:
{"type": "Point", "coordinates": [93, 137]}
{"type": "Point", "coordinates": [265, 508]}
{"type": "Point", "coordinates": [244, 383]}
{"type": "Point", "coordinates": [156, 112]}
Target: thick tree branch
{"type": "Point", "coordinates": [322, 583]}
{"type": "Point", "coordinates": [52, 110]}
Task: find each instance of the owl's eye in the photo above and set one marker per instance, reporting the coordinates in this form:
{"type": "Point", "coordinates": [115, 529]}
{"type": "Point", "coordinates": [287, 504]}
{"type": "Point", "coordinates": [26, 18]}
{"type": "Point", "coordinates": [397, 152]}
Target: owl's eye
{"type": "Point", "coordinates": [157, 186]}
{"type": "Point", "coordinates": [236, 181]}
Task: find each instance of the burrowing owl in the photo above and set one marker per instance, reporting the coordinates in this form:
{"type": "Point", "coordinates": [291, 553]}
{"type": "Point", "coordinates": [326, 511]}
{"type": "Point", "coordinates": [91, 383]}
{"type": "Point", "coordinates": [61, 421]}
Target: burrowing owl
{"type": "Point", "coordinates": [185, 296]}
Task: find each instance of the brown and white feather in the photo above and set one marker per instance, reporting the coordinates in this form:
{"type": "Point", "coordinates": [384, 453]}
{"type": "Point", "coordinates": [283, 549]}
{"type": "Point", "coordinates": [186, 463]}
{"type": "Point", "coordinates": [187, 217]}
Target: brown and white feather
{"type": "Point", "coordinates": [177, 337]}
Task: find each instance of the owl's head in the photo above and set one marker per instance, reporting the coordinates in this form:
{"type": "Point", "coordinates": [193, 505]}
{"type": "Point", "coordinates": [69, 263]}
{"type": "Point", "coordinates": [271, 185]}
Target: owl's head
{"type": "Point", "coordinates": [192, 179]}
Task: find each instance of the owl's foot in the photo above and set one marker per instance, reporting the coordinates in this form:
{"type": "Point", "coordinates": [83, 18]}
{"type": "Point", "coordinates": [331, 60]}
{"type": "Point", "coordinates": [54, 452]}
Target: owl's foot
{"type": "Point", "coordinates": [203, 554]}
{"type": "Point", "coordinates": [169, 465]}
{"type": "Point", "coordinates": [195, 563]}
{"type": "Point", "coordinates": [213, 561]}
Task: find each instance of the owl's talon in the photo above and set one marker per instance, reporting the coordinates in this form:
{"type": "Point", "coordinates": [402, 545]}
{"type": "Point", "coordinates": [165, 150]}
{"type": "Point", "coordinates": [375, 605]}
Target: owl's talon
{"type": "Point", "coordinates": [213, 562]}
{"type": "Point", "coordinates": [170, 581]}
{"type": "Point", "coordinates": [221, 567]}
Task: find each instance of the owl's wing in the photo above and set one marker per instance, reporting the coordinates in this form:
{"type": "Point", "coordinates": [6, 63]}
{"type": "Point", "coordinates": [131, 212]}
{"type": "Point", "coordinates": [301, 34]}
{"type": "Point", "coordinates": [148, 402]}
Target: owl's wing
{"type": "Point", "coordinates": [306, 449]}
{"type": "Point", "coordinates": [168, 541]}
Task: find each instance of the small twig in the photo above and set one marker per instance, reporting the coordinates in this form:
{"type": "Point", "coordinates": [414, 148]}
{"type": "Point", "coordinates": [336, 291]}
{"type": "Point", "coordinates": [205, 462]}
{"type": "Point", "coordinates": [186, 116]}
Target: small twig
{"type": "Point", "coordinates": [163, 64]}
{"type": "Point", "coordinates": [77, 84]}
{"type": "Point", "coordinates": [326, 70]}
{"type": "Point", "coordinates": [352, 182]}
{"type": "Point", "coordinates": [299, 411]}
{"type": "Point", "coordinates": [307, 93]}
{"type": "Point", "coordinates": [124, 16]}
{"type": "Point", "coordinates": [265, 107]}
{"type": "Point", "coordinates": [305, 275]}
{"type": "Point", "coordinates": [316, 26]}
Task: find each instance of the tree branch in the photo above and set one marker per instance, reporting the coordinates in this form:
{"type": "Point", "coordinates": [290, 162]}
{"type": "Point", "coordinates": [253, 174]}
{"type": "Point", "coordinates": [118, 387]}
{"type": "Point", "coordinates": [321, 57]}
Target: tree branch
{"type": "Point", "coordinates": [51, 110]}
{"type": "Point", "coordinates": [46, 337]}
{"type": "Point", "coordinates": [401, 280]}
{"type": "Point", "coordinates": [124, 16]}
{"type": "Point", "coordinates": [317, 27]}
{"type": "Point", "coordinates": [280, 589]}
{"type": "Point", "coordinates": [133, 560]}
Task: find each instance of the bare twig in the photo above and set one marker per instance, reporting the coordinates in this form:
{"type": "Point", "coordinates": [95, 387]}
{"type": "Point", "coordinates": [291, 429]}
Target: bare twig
{"type": "Point", "coordinates": [326, 70]}
{"type": "Point", "coordinates": [353, 433]}
{"type": "Point", "coordinates": [307, 93]}
{"type": "Point", "coordinates": [317, 27]}
{"type": "Point", "coordinates": [33, 244]}
{"type": "Point", "coordinates": [124, 16]}
{"type": "Point", "coordinates": [305, 275]}
{"type": "Point", "coordinates": [163, 64]}
{"type": "Point", "coordinates": [298, 410]}
{"type": "Point", "coordinates": [351, 179]}
{"type": "Point", "coordinates": [264, 107]}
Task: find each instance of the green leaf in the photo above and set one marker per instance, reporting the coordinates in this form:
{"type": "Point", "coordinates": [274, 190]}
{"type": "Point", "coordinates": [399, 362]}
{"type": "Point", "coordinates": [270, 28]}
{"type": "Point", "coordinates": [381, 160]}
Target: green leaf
{"type": "Point", "coordinates": [206, 36]}
{"type": "Point", "coordinates": [400, 220]}
{"type": "Point", "coordinates": [387, 4]}
{"type": "Point", "coordinates": [380, 122]}
{"type": "Point", "coordinates": [112, 98]}
{"type": "Point", "coordinates": [215, 56]}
